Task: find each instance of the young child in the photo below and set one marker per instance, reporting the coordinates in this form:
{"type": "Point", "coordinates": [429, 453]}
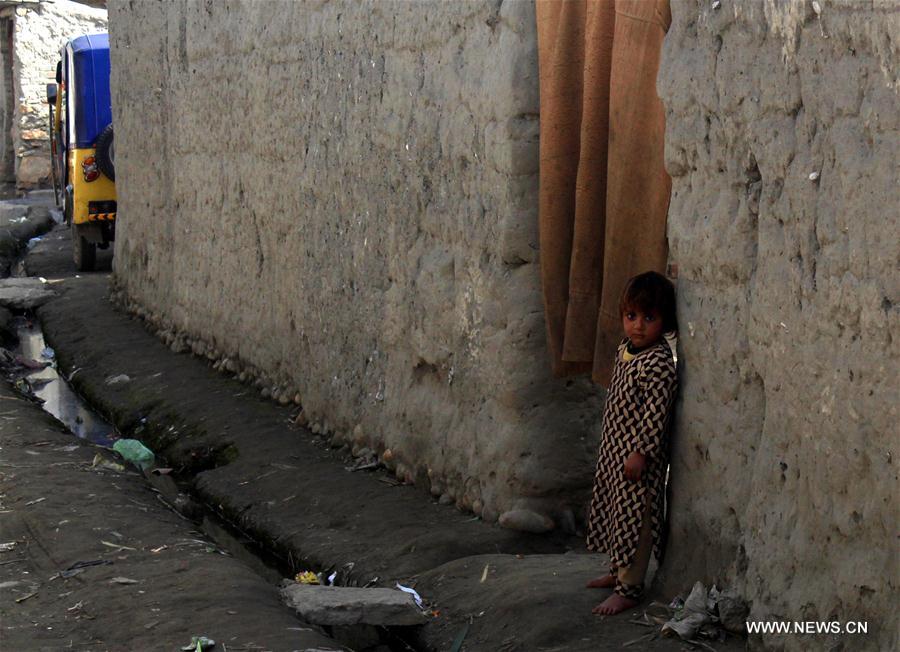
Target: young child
{"type": "Point", "coordinates": [626, 516]}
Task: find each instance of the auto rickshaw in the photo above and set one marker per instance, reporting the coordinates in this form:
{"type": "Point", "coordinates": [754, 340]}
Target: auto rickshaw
{"type": "Point", "coordinates": [81, 144]}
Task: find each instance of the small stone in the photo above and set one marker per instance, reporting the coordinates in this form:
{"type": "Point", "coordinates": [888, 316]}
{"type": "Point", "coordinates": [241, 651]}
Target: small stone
{"type": "Point", "coordinates": [358, 436]}
{"type": "Point", "coordinates": [266, 392]}
{"type": "Point", "coordinates": [445, 499]}
{"type": "Point", "coordinates": [297, 398]}
{"type": "Point", "coordinates": [525, 520]}
{"type": "Point", "coordinates": [388, 455]}
{"type": "Point", "coordinates": [284, 399]}
{"type": "Point", "coordinates": [337, 440]}
{"type": "Point", "coordinates": [813, 176]}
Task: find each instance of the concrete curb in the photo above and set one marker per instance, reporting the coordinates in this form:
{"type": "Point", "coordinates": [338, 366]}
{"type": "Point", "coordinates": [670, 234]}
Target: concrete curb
{"type": "Point", "coordinates": [19, 223]}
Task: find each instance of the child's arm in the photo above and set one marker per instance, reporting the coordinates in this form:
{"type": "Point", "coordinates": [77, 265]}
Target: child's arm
{"type": "Point", "coordinates": [658, 383]}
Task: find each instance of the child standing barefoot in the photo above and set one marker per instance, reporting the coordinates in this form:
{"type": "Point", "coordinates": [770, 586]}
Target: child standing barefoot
{"type": "Point", "coordinates": [626, 514]}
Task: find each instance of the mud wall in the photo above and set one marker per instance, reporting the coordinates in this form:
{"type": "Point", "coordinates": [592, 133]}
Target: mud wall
{"type": "Point", "coordinates": [339, 200]}
{"type": "Point", "coordinates": [782, 141]}
{"type": "Point", "coordinates": [40, 29]}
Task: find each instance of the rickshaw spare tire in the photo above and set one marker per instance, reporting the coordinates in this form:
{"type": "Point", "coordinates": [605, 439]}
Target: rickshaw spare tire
{"type": "Point", "coordinates": [106, 153]}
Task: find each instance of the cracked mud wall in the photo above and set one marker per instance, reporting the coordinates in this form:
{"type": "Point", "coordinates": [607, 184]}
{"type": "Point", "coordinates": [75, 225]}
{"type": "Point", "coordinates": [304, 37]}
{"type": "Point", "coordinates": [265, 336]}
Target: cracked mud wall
{"type": "Point", "coordinates": [341, 198]}
{"type": "Point", "coordinates": [782, 141]}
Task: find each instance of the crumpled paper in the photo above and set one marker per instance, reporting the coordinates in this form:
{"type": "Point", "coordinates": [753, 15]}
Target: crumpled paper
{"type": "Point", "coordinates": [705, 612]}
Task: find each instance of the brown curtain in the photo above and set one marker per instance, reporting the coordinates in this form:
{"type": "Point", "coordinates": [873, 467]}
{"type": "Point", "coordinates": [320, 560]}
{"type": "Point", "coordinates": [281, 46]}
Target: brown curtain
{"type": "Point", "coordinates": [604, 192]}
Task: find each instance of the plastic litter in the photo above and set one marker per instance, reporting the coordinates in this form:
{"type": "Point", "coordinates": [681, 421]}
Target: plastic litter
{"type": "Point", "coordinates": [32, 243]}
{"type": "Point", "coordinates": [122, 580]}
{"type": "Point", "coordinates": [6, 547]}
{"type": "Point", "coordinates": [199, 644]}
{"type": "Point", "coordinates": [306, 577]}
{"type": "Point", "coordinates": [413, 593]}
{"type": "Point", "coordinates": [458, 641]}
{"type": "Point", "coordinates": [101, 462]}
{"type": "Point", "coordinates": [30, 364]}
{"type": "Point", "coordinates": [115, 380]}
{"type": "Point", "coordinates": [79, 566]}
{"type": "Point", "coordinates": [135, 452]}
{"type": "Point", "coordinates": [48, 353]}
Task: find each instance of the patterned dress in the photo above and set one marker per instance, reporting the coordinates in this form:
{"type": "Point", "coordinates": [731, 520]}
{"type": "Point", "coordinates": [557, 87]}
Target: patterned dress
{"type": "Point", "coordinates": [636, 418]}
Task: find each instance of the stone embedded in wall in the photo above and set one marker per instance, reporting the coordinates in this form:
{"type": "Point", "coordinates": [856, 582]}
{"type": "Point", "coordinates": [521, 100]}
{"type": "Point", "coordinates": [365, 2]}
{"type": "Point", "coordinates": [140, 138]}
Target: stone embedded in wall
{"type": "Point", "coordinates": [32, 171]}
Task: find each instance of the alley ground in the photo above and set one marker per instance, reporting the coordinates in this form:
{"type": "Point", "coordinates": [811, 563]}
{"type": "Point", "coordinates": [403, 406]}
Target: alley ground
{"type": "Point", "coordinates": [240, 455]}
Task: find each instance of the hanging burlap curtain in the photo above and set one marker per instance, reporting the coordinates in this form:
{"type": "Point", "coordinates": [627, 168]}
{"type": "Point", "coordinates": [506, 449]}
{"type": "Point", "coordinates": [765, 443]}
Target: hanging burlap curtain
{"type": "Point", "coordinates": [604, 191]}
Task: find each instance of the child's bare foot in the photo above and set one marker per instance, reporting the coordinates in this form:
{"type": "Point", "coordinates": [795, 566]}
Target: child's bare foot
{"type": "Point", "coordinates": [614, 604]}
{"type": "Point", "coordinates": [604, 582]}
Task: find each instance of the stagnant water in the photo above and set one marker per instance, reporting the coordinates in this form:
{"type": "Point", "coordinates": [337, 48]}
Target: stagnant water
{"type": "Point", "coordinates": [58, 397]}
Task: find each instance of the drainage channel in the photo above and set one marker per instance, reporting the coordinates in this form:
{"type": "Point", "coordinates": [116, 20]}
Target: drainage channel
{"type": "Point", "coordinates": [34, 373]}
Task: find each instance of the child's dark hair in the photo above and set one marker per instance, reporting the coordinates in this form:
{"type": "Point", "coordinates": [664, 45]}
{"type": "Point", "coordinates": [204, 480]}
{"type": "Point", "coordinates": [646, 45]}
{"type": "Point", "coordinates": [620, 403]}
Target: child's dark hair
{"type": "Point", "coordinates": [651, 292]}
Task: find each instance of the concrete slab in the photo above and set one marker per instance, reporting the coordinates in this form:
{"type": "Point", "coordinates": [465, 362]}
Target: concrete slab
{"type": "Point", "coordinates": [344, 605]}
{"type": "Point", "coordinates": [24, 293]}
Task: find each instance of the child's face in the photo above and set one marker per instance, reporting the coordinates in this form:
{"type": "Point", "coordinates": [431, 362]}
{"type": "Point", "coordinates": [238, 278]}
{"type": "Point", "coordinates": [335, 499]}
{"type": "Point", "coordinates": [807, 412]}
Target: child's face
{"type": "Point", "coordinates": [643, 329]}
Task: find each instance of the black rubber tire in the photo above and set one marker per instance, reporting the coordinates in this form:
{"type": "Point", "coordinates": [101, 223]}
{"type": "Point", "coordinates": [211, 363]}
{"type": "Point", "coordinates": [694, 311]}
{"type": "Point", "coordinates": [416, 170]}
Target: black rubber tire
{"type": "Point", "coordinates": [106, 153]}
{"type": "Point", "coordinates": [67, 206]}
{"type": "Point", "coordinates": [84, 253]}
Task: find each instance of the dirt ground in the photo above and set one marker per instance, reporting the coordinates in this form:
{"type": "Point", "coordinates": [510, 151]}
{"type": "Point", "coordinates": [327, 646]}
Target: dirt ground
{"type": "Point", "coordinates": [149, 580]}
{"type": "Point", "coordinates": [495, 589]}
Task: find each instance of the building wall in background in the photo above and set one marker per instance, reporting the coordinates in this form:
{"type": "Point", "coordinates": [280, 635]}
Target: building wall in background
{"type": "Point", "coordinates": [7, 101]}
{"type": "Point", "coordinates": [39, 31]}
{"type": "Point", "coordinates": [341, 199]}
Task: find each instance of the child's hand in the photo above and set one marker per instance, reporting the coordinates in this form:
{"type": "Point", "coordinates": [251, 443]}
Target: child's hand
{"type": "Point", "coordinates": [634, 466]}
